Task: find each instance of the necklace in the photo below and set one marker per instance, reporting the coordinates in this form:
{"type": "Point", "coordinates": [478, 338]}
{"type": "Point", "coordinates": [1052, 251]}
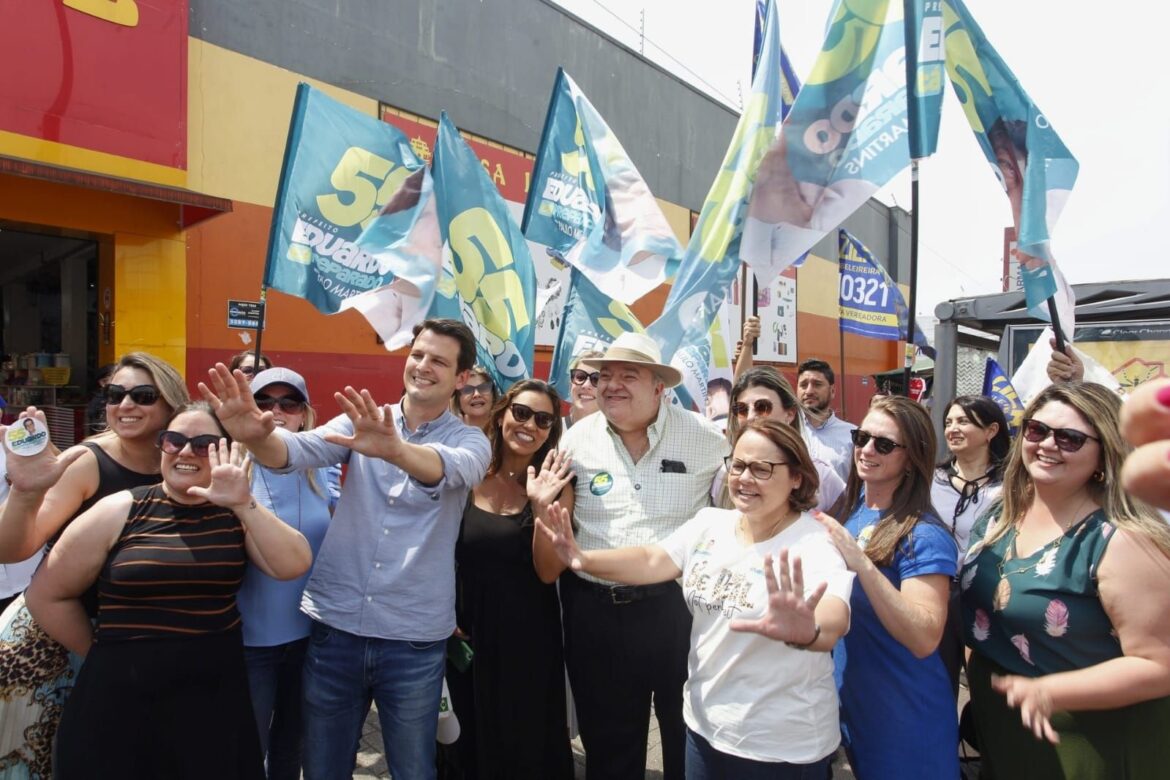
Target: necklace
{"type": "Point", "coordinates": [1043, 565]}
{"type": "Point", "coordinates": [745, 529]}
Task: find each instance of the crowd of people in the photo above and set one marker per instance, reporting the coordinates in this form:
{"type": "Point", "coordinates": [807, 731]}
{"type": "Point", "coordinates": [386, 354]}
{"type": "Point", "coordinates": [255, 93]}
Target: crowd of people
{"type": "Point", "coordinates": [215, 600]}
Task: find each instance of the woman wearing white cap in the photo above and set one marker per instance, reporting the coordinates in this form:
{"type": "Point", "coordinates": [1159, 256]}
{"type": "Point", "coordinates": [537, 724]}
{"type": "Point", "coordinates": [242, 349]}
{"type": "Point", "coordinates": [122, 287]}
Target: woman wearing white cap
{"type": "Point", "coordinates": [276, 632]}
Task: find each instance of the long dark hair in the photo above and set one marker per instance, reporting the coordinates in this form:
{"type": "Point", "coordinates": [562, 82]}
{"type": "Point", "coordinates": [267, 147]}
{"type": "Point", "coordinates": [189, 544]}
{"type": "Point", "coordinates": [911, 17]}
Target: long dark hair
{"type": "Point", "coordinates": [502, 404]}
{"type": "Point", "coordinates": [982, 411]}
{"type": "Point", "coordinates": [911, 503]}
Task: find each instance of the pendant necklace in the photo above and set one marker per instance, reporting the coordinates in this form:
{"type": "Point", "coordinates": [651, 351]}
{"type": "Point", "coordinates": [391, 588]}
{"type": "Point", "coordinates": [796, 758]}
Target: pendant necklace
{"type": "Point", "coordinates": [1042, 565]}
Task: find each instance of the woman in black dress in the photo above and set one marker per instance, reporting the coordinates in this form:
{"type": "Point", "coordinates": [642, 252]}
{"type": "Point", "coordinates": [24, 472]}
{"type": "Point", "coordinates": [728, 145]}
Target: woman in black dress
{"type": "Point", "coordinates": [511, 700]}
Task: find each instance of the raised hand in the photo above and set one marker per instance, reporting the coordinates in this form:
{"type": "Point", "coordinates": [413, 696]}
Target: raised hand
{"type": "Point", "coordinates": [751, 328]}
{"type": "Point", "coordinates": [843, 540]}
{"type": "Point", "coordinates": [1145, 422]}
{"type": "Point", "coordinates": [374, 431]}
{"type": "Point", "coordinates": [545, 487]}
{"type": "Point", "coordinates": [37, 473]}
{"type": "Point", "coordinates": [229, 486]}
{"type": "Point", "coordinates": [557, 526]}
{"type": "Point", "coordinates": [1030, 695]}
{"type": "Point", "coordinates": [231, 399]}
{"type": "Point", "coordinates": [791, 616]}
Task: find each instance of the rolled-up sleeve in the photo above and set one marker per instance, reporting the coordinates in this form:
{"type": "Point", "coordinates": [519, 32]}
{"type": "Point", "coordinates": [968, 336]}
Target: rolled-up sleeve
{"type": "Point", "coordinates": [465, 458]}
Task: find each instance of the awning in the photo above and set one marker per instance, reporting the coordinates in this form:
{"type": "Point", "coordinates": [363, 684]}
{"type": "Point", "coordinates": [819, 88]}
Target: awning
{"type": "Point", "coordinates": [194, 207]}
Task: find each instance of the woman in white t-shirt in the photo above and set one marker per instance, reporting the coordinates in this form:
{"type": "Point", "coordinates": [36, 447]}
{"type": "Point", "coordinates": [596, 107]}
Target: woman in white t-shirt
{"type": "Point", "coordinates": [753, 707]}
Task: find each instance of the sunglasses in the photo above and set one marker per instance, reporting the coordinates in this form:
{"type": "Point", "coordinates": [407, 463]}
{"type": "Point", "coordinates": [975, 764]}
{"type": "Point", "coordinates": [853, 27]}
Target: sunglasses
{"type": "Point", "coordinates": [1067, 439]}
{"type": "Point", "coordinates": [580, 377]}
{"type": "Point", "coordinates": [522, 414]}
{"type": "Point", "coordinates": [247, 370]}
{"type": "Point", "coordinates": [880, 443]}
{"type": "Point", "coordinates": [484, 388]}
{"type": "Point", "coordinates": [762, 407]}
{"type": "Point", "coordinates": [288, 404]}
{"type": "Point", "coordinates": [760, 469]}
{"type": "Point", "coordinates": [143, 395]}
{"type": "Point", "coordinates": [173, 442]}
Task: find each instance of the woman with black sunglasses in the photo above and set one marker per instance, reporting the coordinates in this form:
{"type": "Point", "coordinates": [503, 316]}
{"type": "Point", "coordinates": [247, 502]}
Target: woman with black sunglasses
{"type": "Point", "coordinates": [49, 490]}
{"type": "Point", "coordinates": [511, 700]}
{"type": "Point", "coordinates": [898, 716]}
{"type": "Point", "coordinates": [474, 401]}
{"type": "Point", "coordinates": [582, 388]}
{"type": "Point", "coordinates": [1064, 604]}
{"type": "Point", "coordinates": [276, 631]}
{"type": "Point", "coordinates": [163, 691]}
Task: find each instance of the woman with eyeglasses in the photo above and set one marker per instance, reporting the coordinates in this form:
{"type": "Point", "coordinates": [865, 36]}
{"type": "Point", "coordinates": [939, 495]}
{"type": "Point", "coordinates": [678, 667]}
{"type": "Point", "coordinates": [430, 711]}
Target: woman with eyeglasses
{"type": "Point", "coordinates": [582, 389]}
{"type": "Point", "coordinates": [759, 699]}
{"type": "Point", "coordinates": [898, 715]}
{"type": "Point", "coordinates": [48, 491]}
{"type": "Point", "coordinates": [246, 362]}
{"type": "Point", "coordinates": [762, 392]}
{"type": "Point", "coordinates": [276, 632]}
{"type": "Point", "coordinates": [474, 401]}
{"type": "Point", "coordinates": [1064, 604]}
{"type": "Point", "coordinates": [163, 689]}
{"type": "Point", "coordinates": [511, 701]}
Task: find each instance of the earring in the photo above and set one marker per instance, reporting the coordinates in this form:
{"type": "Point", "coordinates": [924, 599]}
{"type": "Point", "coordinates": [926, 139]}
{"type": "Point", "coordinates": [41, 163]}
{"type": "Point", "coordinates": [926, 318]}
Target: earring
{"type": "Point", "coordinates": [1098, 476]}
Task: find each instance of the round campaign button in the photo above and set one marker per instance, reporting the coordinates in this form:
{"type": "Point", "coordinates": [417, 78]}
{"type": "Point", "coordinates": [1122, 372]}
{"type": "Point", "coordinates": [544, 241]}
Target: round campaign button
{"type": "Point", "coordinates": [26, 437]}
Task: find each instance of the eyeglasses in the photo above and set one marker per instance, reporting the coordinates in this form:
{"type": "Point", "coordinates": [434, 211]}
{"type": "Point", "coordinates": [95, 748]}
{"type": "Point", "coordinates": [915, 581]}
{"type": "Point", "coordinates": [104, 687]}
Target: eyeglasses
{"type": "Point", "coordinates": [522, 414]}
{"type": "Point", "coordinates": [173, 442]}
{"type": "Point", "coordinates": [762, 407]}
{"type": "Point", "coordinates": [760, 469]}
{"type": "Point", "coordinates": [288, 404]}
{"type": "Point", "coordinates": [143, 395]}
{"type": "Point", "coordinates": [247, 370]}
{"type": "Point", "coordinates": [1067, 439]}
{"type": "Point", "coordinates": [483, 388]}
{"type": "Point", "coordinates": [580, 377]}
{"type": "Point", "coordinates": [880, 443]}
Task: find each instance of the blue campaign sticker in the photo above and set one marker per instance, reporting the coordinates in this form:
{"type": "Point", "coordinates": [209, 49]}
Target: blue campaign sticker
{"type": "Point", "coordinates": [601, 484]}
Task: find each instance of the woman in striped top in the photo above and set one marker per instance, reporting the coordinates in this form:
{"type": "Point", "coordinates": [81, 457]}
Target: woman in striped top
{"type": "Point", "coordinates": [163, 691]}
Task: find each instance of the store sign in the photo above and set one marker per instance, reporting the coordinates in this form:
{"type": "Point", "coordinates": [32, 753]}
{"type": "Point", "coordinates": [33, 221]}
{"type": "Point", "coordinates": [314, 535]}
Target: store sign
{"type": "Point", "coordinates": [105, 76]}
{"type": "Point", "coordinates": [245, 314]}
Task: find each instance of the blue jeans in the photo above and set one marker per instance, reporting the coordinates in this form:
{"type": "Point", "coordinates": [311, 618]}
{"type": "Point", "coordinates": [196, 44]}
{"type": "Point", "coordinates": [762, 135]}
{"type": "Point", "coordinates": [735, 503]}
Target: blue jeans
{"type": "Point", "coordinates": [343, 672]}
{"type": "Point", "coordinates": [274, 680]}
{"type": "Point", "coordinates": [705, 762]}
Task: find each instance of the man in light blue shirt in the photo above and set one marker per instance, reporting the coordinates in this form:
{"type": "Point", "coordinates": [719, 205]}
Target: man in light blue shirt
{"type": "Point", "coordinates": [382, 592]}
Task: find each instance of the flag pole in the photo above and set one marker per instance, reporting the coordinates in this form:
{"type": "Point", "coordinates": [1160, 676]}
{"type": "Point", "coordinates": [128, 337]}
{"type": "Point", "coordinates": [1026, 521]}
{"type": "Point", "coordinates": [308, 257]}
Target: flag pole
{"type": "Point", "coordinates": [912, 303]}
{"type": "Point", "coordinates": [1055, 317]}
{"type": "Point", "coordinates": [844, 374]}
{"type": "Point", "coordinates": [260, 327]}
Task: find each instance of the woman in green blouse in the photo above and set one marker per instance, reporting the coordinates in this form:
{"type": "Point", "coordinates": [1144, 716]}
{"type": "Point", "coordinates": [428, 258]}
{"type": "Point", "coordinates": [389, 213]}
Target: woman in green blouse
{"type": "Point", "coordinates": [1064, 604]}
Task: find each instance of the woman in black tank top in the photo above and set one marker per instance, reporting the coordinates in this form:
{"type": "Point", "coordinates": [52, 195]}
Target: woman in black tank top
{"type": "Point", "coordinates": [163, 690]}
{"type": "Point", "coordinates": [48, 491]}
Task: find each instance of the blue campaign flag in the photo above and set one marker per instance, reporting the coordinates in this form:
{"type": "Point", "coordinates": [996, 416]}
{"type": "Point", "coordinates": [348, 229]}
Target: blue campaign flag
{"type": "Point", "coordinates": [354, 224]}
{"type": "Point", "coordinates": [1034, 166]}
{"type": "Point", "coordinates": [998, 388]}
{"type": "Point", "coordinates": [925, 74]}
{"type": "Point", "coordinates": [871, 303]}
{"type": "Point", "coordinates": [493, 275]}
{"type": "Point", "coordinates": [588, 203]}
{"type": "Point", "coordinates": [843, 140]}
{"type": "Point", "coordinates": [712, 256]}
{"type": "Point", "coordinates": [590, 320]}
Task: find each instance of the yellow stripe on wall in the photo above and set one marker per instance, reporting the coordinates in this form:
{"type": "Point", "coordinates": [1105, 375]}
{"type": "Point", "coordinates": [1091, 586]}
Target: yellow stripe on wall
{"type": "Point", "coordinates": [75, 157]}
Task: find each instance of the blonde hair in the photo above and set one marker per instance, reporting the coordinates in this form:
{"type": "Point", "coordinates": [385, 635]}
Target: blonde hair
{"type": "Point", "coordinates": [1099, 408]}
{"type": "Point", "coordinates": [169, 382]}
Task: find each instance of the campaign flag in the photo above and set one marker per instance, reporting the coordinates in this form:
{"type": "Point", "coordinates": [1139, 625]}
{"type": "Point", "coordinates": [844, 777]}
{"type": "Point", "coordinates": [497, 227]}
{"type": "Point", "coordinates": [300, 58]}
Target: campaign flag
{"type": "Point", "coordinates": [588, 203]}
{"type": "Point", "coordinates": [712, 257]}
{"type": "Point", "coordinates": [998, 388]}
{"type": "Point", "coordinates": [843, 140]}
{"type": "Point", "coordinates": [590, 320]}
{"type": "Point", "coordinates": [925, 74]}
{"type": "Point", "coordinates": [1034, 166]}
{"type": "Point", "coordinates": [870, 302]}
{"type": "Point", "coordinates": [492, 271]}
{"type": "Point", "coordinates": [354, 225]}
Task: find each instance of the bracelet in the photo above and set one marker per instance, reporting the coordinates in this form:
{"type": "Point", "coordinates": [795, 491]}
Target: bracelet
{"type": "Point", "coordinates": [809, 643]}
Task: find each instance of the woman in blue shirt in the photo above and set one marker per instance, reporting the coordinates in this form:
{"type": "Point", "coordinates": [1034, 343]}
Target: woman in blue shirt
{"type": "Point", "coordinates": [898, 716]}
{"type": "Point", "coordinates": [275, 630]}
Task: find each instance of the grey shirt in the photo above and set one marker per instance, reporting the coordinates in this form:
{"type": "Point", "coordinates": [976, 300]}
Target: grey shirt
{"type": "Point", "coordinates": [387, 566]}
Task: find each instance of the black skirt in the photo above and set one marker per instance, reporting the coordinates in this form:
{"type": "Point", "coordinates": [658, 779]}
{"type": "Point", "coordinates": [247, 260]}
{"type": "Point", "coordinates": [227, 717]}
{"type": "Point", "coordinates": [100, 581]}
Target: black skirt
{"type": "Point", "coordinates": [161, 708]}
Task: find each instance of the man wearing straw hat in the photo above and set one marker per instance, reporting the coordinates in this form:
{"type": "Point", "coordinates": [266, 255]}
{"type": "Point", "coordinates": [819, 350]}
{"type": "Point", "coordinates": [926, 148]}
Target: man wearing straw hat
{"type": "Point", "coordinates": [642, 468]}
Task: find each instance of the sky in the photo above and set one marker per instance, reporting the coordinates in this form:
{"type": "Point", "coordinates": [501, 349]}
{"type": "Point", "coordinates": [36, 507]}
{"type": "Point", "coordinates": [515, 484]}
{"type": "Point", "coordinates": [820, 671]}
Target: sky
{"type": "Point", "coordinates": [1093, 73]}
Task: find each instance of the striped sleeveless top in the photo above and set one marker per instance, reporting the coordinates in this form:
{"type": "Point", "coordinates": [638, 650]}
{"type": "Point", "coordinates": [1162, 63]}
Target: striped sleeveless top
{"type": "Point", "coordinates": [173, 572]}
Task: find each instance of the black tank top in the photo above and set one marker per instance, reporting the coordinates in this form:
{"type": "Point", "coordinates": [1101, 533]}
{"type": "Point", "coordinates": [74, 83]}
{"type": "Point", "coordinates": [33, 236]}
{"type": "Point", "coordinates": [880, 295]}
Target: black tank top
{"type": "Point", "coordinates": [174, 571]}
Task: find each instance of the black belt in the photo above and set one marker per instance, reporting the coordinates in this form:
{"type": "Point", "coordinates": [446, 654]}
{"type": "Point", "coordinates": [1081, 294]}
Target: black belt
{"type": "Point", "coordinates": [626, 594]}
